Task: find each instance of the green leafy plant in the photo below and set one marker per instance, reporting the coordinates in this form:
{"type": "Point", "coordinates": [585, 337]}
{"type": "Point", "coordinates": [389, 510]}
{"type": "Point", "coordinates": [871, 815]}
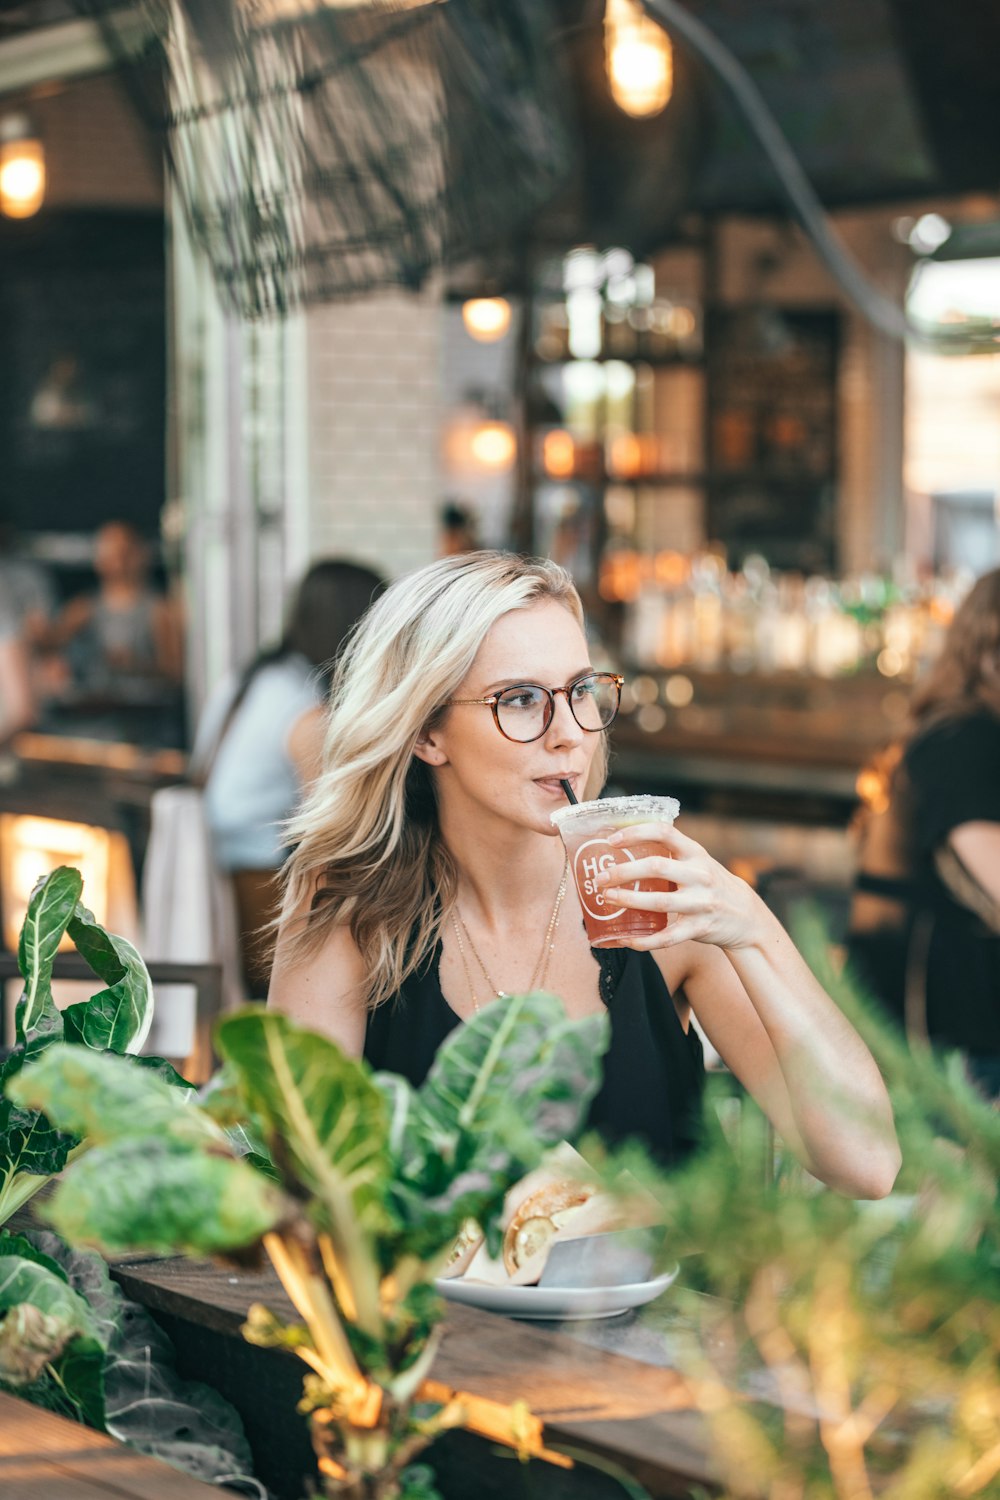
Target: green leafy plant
{"type": "Point", "coordinates": [115, 1019]}
{"type": "Point", "coordinates": [356, 1190]}
{"type": "Point", "coordinates": [847, 1350]}
{"type": "Point", "coordinates": [68, 1340]}
{"type": "Point", "coordinates": [72, 1343]}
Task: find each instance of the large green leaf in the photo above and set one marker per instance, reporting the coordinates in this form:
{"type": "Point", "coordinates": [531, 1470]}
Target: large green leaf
{"type": "Point", "coordinates": [503, 1088]}
{"type": "Point", "coordinates": [317, 1111]}
{"type": "Point", "coordinates": [79, 1372]}
{"type": "Point", "coordinates": [46, 1326]}
{"type": "Point", "coordinates": [519, 1054]}
{"type": "Point", "coordinates": [162, 1177]}
{"type": "Point", "coordinates": [161, 1068]}
{"type": "Point", "coordinates": [20, 1245]}
{"type": "Point", "coordinates": [101, 1097]}
{"type": "Point", "coordinates": [52, 904]}
{"type": "Point", "coordinates": [29, 1144]}
{"type": "Point", "coordinates": [146, 1404]}
{"type": "Point", "coordinates": [161, 1194]}
{"type": "Point", "coordinates": [323, 1123]}
{"type": "Point", "coordinates": [116, 1019]}
{"type": "Point", "coordinates": [220, 1097]}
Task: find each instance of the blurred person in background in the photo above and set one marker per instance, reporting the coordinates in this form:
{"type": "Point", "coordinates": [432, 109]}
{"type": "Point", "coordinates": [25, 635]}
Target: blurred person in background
{"type": "Point", "coordinates": [25, 588]}
{"type": "Point", "coordinates": [260, 744]}
{"type": "Point", "coordinates": [17, 703]}
{"type": "Point", "coordinates": [457, 530]}
{"type": "Point", "coordinates": [125, 637]}
{"type": "Point", "coordinates": [27, 596]}
{"type": "Point", "coordinates": [925, 916]}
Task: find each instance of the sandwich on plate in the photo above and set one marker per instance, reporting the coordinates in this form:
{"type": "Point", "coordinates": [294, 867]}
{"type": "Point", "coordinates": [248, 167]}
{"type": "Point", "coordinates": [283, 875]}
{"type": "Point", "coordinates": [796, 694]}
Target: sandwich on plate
{"type": "Point", "coordinates": [550, 1205]}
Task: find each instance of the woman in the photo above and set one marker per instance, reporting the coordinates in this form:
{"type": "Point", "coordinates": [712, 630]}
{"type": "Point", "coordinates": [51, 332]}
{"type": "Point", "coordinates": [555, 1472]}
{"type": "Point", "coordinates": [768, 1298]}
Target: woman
{"type": "Point", "coordinates": [925, 920]}
{"type": "Point", "coordinates": [259, 746]}
{"type": "Point", "coordinates": [428, 878]}
{"type": "Point", "coordinates": [125, 635]}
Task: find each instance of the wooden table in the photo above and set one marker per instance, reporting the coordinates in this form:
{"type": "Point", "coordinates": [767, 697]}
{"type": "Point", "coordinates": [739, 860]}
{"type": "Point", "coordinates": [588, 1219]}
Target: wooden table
{"type": "Point", "coordinates": [606, 1387]}
{"type": "Point", "coordinates": [46, 1457]}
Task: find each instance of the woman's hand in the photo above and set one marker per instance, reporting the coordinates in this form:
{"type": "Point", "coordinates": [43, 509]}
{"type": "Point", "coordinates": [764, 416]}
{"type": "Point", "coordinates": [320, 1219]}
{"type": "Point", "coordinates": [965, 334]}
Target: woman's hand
{"type": "Point", "coordinates": [709, 905]}
{"type": "Point", "coordinates": [764, 1011]}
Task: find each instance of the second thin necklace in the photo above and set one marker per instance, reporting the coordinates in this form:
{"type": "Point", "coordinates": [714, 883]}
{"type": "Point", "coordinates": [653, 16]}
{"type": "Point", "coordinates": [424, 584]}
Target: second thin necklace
{"type": "Point", "coordinates": [541, 966]}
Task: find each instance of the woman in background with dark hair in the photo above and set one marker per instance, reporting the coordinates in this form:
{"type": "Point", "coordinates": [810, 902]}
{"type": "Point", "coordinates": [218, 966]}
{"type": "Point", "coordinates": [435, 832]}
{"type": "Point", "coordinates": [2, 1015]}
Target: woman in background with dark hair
{"type": "Point", "coordinates": [259, 745]}
{"type": "Point", "coordinates": [925, 919]}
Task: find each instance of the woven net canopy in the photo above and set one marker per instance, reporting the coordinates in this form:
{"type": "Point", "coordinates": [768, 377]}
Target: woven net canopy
{"type": "Point", "coordinates": [323, 149]}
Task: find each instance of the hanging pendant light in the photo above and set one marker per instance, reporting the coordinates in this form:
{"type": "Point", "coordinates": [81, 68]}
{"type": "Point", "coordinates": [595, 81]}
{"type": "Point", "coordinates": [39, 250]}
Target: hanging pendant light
{"type": "Point", "coordinates": [486, 319]}
{"type": "Point", "coordinates": [639, 59]}
{"type": "Point", "coordinates": [22, 168]}
{"type": "Point", "coordinates": [493, 446]}
{"type": "Point", "coordinates": [477, 439]}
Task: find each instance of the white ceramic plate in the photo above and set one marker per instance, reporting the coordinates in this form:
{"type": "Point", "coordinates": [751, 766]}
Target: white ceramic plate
{"type": "Point", "coordinates": [556, 1303]}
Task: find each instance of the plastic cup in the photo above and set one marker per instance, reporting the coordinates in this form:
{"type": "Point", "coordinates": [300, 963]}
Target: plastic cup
{"type": "Point", "coordinates": [584, 829]}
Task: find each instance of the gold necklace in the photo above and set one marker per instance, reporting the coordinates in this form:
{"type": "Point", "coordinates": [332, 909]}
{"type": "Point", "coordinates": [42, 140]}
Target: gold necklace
{"type": "Point", "coordinates": [542, 965]}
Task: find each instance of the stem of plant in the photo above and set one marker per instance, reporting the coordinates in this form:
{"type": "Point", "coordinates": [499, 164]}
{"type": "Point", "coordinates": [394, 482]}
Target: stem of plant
{"type": "Point", "coordinates": [312, 1300]}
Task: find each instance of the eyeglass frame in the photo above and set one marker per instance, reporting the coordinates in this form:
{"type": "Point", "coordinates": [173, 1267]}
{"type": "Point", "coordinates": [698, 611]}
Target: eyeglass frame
{"type": "Point", "coordinates": [494, 702]}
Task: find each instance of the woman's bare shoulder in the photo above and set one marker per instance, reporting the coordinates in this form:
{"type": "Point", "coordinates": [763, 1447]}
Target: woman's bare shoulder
{"type": "Point", "coordinates": [323, 989]}
{"type": "Point", "coordinates": [689, 961]}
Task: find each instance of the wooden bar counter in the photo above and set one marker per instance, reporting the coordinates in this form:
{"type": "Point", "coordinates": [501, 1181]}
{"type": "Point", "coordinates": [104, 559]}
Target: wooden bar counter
{"type": "Point", "coordinates": [774, 745]}
{"type": "Point", "coordinates": [603, 1386]}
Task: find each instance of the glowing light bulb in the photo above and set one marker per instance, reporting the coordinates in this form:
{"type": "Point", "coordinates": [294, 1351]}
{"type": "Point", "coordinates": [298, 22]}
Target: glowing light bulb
{"type": "Point", "coordinates": [639, 59]}
{"type": "Point", "coordinates": [559, 454]}
{"type": "Point", "coordinates": [22, 170]}
{"type": "Point", "coordinates": [494, 446]}
{"type": "Point", "coordinates": [486, 318]}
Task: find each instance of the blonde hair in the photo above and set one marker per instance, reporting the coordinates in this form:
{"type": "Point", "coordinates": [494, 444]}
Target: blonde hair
{"type": "Point", "coordinates": [368, 852]}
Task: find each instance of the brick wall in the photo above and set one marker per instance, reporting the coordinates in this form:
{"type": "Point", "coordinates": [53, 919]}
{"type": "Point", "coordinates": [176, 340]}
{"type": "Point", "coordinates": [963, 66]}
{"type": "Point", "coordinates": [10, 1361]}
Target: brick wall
{"type": "Point", "coordinates": [374, 407]}
{"type": "Point", "coordinates": [487, 370]}
{"type": "Point", "coordinates": [97, 153]}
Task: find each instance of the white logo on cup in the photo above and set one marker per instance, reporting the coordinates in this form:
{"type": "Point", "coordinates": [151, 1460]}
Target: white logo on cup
{"type": "Point", "coordinates": [585, 871]}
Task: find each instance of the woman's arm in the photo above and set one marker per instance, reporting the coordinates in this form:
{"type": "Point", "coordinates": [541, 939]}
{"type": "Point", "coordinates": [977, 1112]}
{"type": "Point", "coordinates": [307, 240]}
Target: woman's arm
{"type": "Point", "coordinates": [17, 704]}
{"type": "Point", "coordinates": [71, 619]}
{"type": "Point", "coordinates": [764, 1011]}
{"type": "Point", "coordinates": [305, 745]}
{"type": "Point", "coordinates": [324, 991]}
{"type": "Point", "coordinates": [168, 637]}
{"type": "Point", "coordinates": [978, 847]}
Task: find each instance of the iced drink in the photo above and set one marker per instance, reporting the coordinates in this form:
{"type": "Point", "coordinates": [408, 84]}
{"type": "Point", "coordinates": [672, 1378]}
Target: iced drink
{"type": "Point", "coordinates": [585, 828]}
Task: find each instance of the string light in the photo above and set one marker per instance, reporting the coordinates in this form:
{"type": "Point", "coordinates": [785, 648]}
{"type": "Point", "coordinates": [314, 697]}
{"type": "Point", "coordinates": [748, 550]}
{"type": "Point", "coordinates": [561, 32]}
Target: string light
{"type": "Point", "coordinates": [639, 59]}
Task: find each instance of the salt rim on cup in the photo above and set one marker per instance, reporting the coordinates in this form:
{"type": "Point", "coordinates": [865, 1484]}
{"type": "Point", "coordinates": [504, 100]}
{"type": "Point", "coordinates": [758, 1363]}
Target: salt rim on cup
{"type": "Point", "coordinates": [642, 805]}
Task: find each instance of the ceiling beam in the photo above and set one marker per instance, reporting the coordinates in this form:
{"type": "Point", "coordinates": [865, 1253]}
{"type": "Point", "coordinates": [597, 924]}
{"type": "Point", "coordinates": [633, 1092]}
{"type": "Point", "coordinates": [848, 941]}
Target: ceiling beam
{"type": "Point", "coordinates": [51, 53]}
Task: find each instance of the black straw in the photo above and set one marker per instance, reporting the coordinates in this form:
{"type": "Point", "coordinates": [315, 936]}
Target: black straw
{"type": "Point", "coordinates": [569, 792]}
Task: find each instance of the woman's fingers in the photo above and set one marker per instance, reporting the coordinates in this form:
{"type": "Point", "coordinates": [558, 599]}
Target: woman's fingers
{"type": "Point", "coordinates": [653, 867]}
{"type": "Point", "coordinates": [656, 833]}
{"type": "Point", "coordinates": [646, 900]}
{"type": "Point", "coordinates": [671, 901]}
{"type": "Point", "coordinates": [704, 902]}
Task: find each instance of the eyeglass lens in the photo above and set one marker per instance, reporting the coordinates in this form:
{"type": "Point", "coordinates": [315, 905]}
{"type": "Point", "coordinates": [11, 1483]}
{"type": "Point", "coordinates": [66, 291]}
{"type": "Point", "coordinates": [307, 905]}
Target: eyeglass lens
{"type": "Point", "coordinates": [524, 712]}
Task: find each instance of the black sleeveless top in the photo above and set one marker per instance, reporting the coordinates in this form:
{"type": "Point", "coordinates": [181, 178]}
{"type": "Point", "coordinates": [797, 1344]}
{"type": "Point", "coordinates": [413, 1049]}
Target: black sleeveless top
{"type": "Point", "coordinates": [654, 1071]}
